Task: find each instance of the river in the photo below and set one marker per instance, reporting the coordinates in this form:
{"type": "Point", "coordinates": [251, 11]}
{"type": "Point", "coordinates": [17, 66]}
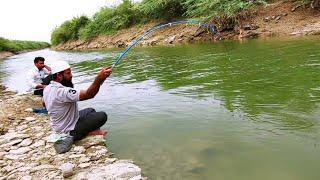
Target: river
{"type": "Point", "coordinates": [227, 110]}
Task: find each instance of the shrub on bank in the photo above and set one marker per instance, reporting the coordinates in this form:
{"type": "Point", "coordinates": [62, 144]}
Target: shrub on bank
{"type": "Point", "coordinates": [109, 20]}
{"type": "Point", "coordinates": [223, 12]}
{"type": "Point", "coordinates": [162, 9]}
{"type": "Point", "coordinates": [16, 46]}
{"type": "Point", "coordinates": [69, 30]}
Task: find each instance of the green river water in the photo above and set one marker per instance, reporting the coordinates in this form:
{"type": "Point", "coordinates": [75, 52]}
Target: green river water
{"type": "Point", "coordinates": [227, 110]}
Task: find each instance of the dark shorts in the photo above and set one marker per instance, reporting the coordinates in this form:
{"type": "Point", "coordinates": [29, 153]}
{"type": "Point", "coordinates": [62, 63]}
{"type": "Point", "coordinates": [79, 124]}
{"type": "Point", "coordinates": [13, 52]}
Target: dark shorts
{"type": "Point", "coordinates": [46, 81]}
{"type": "Point", "coordinates": [89, 120]}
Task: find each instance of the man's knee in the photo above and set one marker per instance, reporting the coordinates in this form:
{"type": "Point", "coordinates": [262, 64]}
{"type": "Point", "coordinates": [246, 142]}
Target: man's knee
{"type": "Point", "coordinates": [88, 110]}
{"type": "Point", "coordinates": [91, 110]}
{"type": "Point", "coordinates": [103, 117]}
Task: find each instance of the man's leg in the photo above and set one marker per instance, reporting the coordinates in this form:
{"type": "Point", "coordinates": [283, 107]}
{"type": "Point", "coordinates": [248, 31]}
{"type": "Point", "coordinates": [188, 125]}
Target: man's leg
{"type": "Point", "coordinates": [46, 81]}
{"type": "Point", "coordinates": [38, 92]}
{"type": "Point", "coordinates": [89, 120]}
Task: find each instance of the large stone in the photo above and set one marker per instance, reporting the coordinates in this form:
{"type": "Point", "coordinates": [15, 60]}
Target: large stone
{"type": "Point", "coordinates": [79, 149]}
{"type": "Point", "coordinates": [24, 169]}
{"type": "Point", "coordinates": [67, 169]}
{"type": "Point", "coordinates": [13, 157]}
{"type": "Point", "coordinates": [40, 134]}
{"type": "Point", "coordinates": [38, 128]}
{"type": "Point", "coordinates": [11, 143]}
{"type": "Point", "coordinates": [76, 156]}
{"type": "Point", "coordinates": [11, 176]}
{"type": "Point", "coordinates": [29, 119]}
{"type": "Point", "coordinates": [41, 167]}
{"type": "Point", "coordinates": [171, 39]}
{"type": "Point", "coordinates": [2, 155]}
{"type": "Point", "coordinates": [82, 176]}
{"type": "Point", "coordinates": [28, 110]}
{"type": "Point", "coordinates": [38, 144]}
{"type": "Point", "coordinates": [92, 141]}
{"type": "Point", "coordinates": [25, 142]}
{"type": "Point", "coordinates": [20, 151]}
{"type": "Point", "coordinates": [26, 177]}
{"type": "Point", "coordinates": [2, 140]}
{"type": "Point", "coordinates": [14, 147]}
{"type": "Point", "coordinates": [22, 127]}
{"type": "Point", "coordinates": [118, 170]}
{"type": "Point", "coordinates": [84, 159]}
{"type": "Point", "coordinates": [13, 135]}
{"type": "Point", "coordinates": [8, 168]}
{"type": "Point", "coordinates": [84, 165]}
{"type": "Point", "coordinates": [98, 152]}
{"type": "Point", "coordinates": [136, 178]}
{"type": "Point", "coordinates": [101, 152]}
{"type": "Point", "coordinates": [110, 160]}
{"type": "Point", "coordinates": [54, 175]}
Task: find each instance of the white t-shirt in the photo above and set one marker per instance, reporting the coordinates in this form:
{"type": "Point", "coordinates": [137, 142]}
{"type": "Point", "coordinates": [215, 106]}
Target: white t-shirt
{"type": "Point", "coordinates": [62, 106]}
{"type": "Point", "coordinates": [35, 76]}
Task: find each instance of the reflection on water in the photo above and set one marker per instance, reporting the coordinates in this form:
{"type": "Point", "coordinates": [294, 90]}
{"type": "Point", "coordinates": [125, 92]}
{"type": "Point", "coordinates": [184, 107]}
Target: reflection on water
{"type": "Point", "coordinates": [228, 110]}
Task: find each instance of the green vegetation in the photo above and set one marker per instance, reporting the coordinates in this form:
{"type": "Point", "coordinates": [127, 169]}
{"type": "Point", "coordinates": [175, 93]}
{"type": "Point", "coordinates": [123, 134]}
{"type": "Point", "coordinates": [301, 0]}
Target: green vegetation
{"type": "Point", "coordinates": [216, 9]}
{"type": "Point", "coordinates": [161, 9]}
{"type": "Point", "coordinates": [225, 13]}
{"type": "Point", "coordinates": [110, 20]}
{"type": "Point", "coordinates": [107, 21]}
{"type": "Point", "coordinates": [69, 30]}
{"type": "Point", "coordinates": [313, 3]}
{"type": "Point", "coordinates": [16, 46]}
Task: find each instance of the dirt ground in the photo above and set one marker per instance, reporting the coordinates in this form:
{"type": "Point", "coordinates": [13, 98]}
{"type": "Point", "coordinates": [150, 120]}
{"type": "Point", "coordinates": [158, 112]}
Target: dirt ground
{"type": "Point", "coordinates": [287, 19]}
{"type": "Point", "coordinates": [4, 54]}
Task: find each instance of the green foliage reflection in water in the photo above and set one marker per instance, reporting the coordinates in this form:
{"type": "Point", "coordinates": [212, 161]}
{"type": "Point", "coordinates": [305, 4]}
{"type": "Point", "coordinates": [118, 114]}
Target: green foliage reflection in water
{"type": "Point", "coordinates": [264, 80]}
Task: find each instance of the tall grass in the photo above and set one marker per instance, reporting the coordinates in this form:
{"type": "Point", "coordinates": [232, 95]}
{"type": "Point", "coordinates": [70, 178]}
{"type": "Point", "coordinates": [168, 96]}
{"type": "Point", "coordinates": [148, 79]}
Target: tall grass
{"type": "Point", "coordinates": [162, 9]}
{"type": "Point", "coordinates": [223, 12]}
{"type": "Point", "coordinates": [109, 20]}
{"type": "Point", "coordinates": [16, 46]}
{"type": "Point", "coordinates": [216, 8]}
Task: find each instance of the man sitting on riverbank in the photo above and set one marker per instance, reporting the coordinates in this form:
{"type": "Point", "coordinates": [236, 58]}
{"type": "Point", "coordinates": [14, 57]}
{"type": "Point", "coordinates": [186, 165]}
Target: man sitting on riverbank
{"type": "Point", "coordinates": [60, 99]}
{"type": "Point", "coordinates": [38, 77]}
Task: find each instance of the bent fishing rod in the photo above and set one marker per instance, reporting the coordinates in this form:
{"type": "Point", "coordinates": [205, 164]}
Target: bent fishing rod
{"type": "Point", "coordinates": [210, 27]}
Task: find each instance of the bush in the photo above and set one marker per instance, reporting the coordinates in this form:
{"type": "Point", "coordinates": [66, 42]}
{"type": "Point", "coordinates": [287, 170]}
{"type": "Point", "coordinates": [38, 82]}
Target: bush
{"type": "Point", "coordinates": [224, 12]}
{"type": "Point", "coordinates": [16, 46]}
{"type": "Point", "coordinates": [315, 4]}
{"type": "Point", "coordinates": [162, 9]}
{"type": "Point", "coordinates": [69, 30]}
{"type": "Point", "coordinates": [109, 20]}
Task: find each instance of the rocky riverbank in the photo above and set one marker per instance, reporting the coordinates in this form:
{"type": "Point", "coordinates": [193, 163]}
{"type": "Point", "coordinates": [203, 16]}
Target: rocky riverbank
{"type": "Point", "coordinates": [281, 19]}
{"type": "Point", "coordinates": [25, 152]}
{"type": "Point", "coordinates": [5, 54]}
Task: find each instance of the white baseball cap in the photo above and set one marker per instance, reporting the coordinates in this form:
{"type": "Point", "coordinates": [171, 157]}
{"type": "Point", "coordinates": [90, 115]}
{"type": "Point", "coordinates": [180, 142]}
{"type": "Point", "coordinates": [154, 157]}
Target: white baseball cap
{"type": "Point", "coordinates": [59, 66]}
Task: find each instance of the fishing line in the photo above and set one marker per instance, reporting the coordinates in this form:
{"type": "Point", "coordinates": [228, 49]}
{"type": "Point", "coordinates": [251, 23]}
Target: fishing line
{"type": "Point", "coordinates": [210, 27]}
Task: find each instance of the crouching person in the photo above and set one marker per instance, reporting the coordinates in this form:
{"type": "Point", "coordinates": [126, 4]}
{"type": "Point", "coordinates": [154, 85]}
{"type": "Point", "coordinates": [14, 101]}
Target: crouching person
{"type": "Point", "coordinates": [60, 99]}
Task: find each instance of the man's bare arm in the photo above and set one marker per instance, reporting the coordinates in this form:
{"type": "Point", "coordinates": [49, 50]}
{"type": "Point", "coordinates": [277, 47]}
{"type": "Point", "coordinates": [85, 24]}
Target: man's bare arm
{"type": "Point", "coordinates": [40, 86]}
{"type": "Point", "coordinates": [95, 86]}
{"type": "Point", "coordinates": [47, 67]}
